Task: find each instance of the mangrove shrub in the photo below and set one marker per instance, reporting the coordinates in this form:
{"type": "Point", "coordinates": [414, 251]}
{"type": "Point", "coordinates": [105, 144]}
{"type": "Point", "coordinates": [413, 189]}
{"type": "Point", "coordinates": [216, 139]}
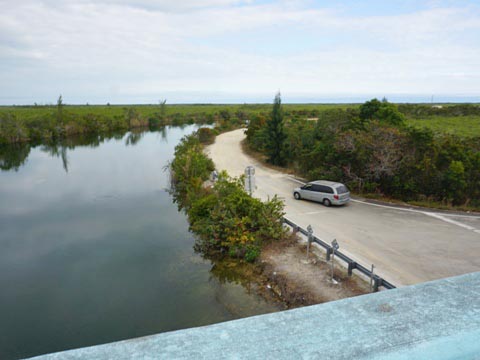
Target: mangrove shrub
{"type": "Point", "coordinates": [225, 218]}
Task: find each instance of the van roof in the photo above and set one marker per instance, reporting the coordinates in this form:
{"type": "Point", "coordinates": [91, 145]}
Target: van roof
{"type": "Point", "coordinates": [325, 182]}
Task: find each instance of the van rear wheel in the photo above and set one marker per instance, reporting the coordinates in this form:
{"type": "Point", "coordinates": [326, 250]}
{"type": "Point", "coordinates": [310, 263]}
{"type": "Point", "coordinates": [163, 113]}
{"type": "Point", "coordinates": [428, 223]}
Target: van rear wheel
{"type": "Point", "coordinates": [297, 196]}
{"type": "Point", "coordinates": [327, 202]}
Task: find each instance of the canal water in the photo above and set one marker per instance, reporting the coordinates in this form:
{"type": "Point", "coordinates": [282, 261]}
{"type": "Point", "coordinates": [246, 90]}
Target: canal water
{"type": "Point", "coordinates": [92, 249]}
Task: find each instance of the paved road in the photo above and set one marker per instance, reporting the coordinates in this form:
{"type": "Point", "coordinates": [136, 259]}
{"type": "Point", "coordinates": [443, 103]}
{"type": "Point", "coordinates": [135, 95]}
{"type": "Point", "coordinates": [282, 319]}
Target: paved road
{"type": "Point", "coordinates": [407, 246]}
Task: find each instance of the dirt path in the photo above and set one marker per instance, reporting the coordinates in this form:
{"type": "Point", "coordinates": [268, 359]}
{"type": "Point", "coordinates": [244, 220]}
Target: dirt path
{"type": "Point", "coordinates": [406, 246]}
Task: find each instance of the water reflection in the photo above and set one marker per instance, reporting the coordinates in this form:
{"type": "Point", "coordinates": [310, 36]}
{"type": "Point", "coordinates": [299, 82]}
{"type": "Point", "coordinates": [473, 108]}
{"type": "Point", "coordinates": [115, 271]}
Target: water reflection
{"type": "Point", "coordinates": [14, 156]}
{"type": "Point", "coordinates": [134, 137]}
{"type": "Point", "coordinates": [100, 253]}
{"type": "Point", "coordinates": [56, 150]}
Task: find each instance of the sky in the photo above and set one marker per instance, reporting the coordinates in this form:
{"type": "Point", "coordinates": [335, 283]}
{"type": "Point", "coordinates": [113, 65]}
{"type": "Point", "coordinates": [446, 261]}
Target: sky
{"type": "Point", "coordinates": [214, 51]}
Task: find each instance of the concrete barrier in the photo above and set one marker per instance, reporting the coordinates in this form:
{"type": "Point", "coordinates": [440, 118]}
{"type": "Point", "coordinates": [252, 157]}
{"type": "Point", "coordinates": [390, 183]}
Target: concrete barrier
{"type": "Point", "coordinates": [435, 320]}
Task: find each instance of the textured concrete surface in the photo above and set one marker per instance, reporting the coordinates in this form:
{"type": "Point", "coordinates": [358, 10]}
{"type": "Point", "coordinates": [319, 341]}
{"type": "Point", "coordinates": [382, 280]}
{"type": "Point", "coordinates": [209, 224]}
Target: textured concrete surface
{"type": "Point", "coordinates": [437, 320]}
{"type": "Point", "coordinates": [407, 246]}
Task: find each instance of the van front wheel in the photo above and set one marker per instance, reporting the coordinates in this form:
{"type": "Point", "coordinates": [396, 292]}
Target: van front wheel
{"type": "Point", "coordinates": [297, 196]}
{"type": "Point", "coordinates": [327, 202]}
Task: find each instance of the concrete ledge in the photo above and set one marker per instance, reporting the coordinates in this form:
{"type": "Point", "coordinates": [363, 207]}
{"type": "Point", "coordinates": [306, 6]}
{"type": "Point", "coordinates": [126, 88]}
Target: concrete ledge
{"type": "Point", "coordinates": [435, 320]}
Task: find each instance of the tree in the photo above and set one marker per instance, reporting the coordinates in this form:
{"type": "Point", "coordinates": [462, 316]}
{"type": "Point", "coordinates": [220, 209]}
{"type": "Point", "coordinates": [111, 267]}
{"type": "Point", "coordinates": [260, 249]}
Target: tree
{"type": "Point", "coordinates": [225, 114]}
{"type": "Point", "coordinates": [60, 110]}
{"type": "Point", "coordinates": [158, 119]}
{"type": "Point", "coordinates": [454, 182]}
{"type": "Point", "coordinates": [275, 133]}
{"type": "Point", "coordinates": [257, 132]}
{"type": "Point", "coordinates": [383, 111]}
{"type": "Point", "coordinates": [163, 109]}
{"type": "Point", "coordinates": [369, 109]}
{"type": "Point", "coordinates": [131, 115]}
{"type": "Point", "coordinates": [372, 157]}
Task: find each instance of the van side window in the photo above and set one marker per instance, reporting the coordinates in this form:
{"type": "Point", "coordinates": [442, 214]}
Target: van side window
{"type": "Point", "coordinates": [323, 189]}
{"type": "Point", "coordinates": [327, 189]}
{"type": "Point", "coordinates": [307, 187]}
{"type": "Point", "coordinates": [317, 188]}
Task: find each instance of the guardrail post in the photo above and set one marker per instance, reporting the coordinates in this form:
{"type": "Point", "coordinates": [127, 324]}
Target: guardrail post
{"type": "Point", "coordinates": [295, 230]}
{"type": "Point", "coordinates": [376, 283]}
{"type": "Point", "coordinates": [309, 239]}
{"type": "Point", "coordinates": [329, 253]}
{"type": "Point", "coordinates": [372, 278]}
{"type": "Point", "coordinates": [351, 266]}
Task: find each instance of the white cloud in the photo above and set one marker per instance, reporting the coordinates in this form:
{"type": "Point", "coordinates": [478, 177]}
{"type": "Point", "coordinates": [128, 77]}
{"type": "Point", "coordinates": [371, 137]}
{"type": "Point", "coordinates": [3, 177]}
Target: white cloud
{"type": "Point", "coordinates": [110, 47]}
{"type": "Point", "coordinates": [158, 5]}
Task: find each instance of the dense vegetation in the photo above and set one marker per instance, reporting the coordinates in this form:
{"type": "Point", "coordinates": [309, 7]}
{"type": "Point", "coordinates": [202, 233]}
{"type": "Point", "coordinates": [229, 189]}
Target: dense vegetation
{"type": "Point", "coordinates": [415, 152]}
{"type": "Point", "coordinates": [374, 150]}
{"type": "Point", "coordinates": [47, 123]}
{"type": "Point", "coordinates": [226, 219]}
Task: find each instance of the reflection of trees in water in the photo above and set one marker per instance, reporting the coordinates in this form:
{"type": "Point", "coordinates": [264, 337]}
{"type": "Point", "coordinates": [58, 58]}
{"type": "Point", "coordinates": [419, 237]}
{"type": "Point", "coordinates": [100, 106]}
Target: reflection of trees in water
{"type": "Point", "coordinates": [238, 288]}
{"type": "Point", "coordinates": [163, 132]}
{"type": "Point", "coordinates": [13, 156]}
{"type": "Point", "coordinates": [134, 137]}
{"type": "Point", "coordinates": [229, 270]}
{"type": "Point", "coordinates": [57, 150]}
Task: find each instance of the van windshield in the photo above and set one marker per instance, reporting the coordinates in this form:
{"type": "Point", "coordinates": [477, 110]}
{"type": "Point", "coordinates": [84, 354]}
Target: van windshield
{"type": "Point", "coordinates": [342, 189]}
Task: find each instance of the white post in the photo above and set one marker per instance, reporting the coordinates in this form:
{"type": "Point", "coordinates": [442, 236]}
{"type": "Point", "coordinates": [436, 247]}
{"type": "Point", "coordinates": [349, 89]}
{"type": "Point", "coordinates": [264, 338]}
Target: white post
{"type": "Point", "coordinates": [335, 246]}
{"type": "Point", "coordinates": [249, 179]}
{"type": "Point", "coordinates": [309, 239]}
{"type": "Point", "coordinates": [371, 278]}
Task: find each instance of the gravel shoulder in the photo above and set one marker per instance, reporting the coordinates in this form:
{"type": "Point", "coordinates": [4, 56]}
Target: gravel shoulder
{"type": "Point", "coordinates": [300, 282]}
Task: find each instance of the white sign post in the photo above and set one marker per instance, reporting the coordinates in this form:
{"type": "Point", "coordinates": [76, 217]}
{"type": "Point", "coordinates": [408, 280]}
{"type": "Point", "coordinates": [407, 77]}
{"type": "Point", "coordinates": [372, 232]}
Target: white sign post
{"type": "Point", "coordinates": [249, 179]}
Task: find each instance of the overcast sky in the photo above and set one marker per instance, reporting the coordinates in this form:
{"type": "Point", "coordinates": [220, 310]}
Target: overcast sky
{"type": "Point", "coordinates": [125, 51]}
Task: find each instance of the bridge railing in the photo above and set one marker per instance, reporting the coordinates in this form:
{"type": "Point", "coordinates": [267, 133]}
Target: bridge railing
{"type": "Point", "coordinates": [351, 264]}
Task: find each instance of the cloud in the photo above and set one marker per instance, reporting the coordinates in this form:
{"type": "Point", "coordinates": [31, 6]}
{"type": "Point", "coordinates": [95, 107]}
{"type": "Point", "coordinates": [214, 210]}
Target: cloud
{"type": "Point", "coordinates": [156, 5]}
{"type": "Point", "coordinates": [106, 48]}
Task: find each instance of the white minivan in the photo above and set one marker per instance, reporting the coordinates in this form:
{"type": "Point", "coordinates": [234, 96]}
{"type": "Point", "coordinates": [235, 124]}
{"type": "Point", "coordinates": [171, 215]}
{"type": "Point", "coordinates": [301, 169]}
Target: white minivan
{"type": "Point", "coordinates": [326, 192]}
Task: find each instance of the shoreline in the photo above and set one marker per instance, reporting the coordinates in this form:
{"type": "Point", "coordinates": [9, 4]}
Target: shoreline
{"type": "Point", "coordinates": [283, 277]}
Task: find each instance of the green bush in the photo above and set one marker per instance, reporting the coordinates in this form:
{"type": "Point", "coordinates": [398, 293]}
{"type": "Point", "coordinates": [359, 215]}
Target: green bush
{"type": "Point", "coordinates": [206, 135]}
{"type": "Point", "coordinates": [226, 219]}
{"type": "Point", "coordinates": [252, 253]}
{"type": "Point", "coordinates": [190, 168]}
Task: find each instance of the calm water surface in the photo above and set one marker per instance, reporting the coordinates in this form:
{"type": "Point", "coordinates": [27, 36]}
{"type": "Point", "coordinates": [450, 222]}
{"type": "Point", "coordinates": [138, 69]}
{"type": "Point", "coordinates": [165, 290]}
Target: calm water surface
{"type": "Point", "coordinates": [93, 250]}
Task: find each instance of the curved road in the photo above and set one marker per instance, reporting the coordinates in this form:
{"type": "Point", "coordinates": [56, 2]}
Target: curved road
{"type": "Point", "coordinates": [407, 246]}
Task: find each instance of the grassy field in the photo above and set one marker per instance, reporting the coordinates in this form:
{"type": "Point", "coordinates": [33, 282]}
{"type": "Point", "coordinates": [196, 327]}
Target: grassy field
{"type": "Point", "coordinates": [465, 126]}
{"type": "Point", "coordinates": [26, 112]}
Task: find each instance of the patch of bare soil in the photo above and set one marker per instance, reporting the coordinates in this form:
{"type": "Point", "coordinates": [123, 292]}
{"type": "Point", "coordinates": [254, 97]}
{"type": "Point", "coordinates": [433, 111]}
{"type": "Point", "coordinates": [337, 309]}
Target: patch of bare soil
{"type": "Point", "coordinates": [299, 282]}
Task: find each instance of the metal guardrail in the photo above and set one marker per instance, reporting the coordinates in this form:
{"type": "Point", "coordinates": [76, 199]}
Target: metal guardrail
{"type": "Point", "coordinates": [352, 264]}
